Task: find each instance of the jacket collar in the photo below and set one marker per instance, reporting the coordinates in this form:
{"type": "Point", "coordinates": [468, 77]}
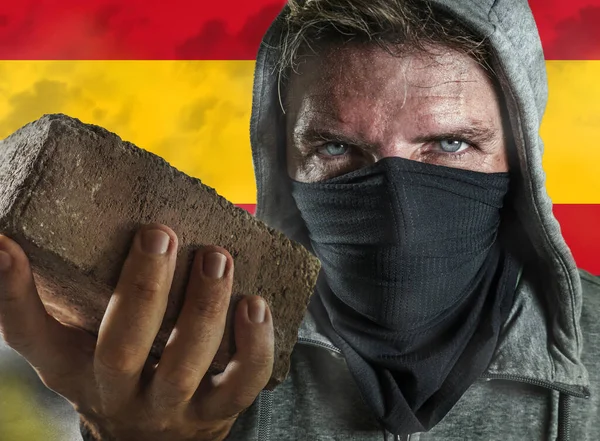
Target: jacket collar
{"type": "Point", "coordinates": [524, 352]}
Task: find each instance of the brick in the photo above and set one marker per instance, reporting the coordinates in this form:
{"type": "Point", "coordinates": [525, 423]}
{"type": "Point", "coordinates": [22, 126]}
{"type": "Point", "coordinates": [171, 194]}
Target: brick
{"type": "Point", "coordinates": [73, 195]}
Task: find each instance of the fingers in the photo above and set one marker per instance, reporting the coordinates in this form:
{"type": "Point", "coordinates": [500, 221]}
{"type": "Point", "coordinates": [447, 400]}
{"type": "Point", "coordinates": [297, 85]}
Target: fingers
{"type": "Point", "coordinates": [134, 314]}
{"type": "Point", "coordinates": [250, 369]}
{"type": "Point", "coordinates": [24, 322]}
{"type": "Point", "coordinates": [199, 329]}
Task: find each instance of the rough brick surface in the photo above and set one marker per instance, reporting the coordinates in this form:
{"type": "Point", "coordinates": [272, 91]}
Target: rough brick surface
{"type": "Point", "coordinates": [73, 195]}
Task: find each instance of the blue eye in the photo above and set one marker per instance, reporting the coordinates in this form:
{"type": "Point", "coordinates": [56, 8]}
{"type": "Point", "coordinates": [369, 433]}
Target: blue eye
{"type": "Point", "coordinates": [452, 145]}
{"type": "Point", "coordinates": [333, 149]}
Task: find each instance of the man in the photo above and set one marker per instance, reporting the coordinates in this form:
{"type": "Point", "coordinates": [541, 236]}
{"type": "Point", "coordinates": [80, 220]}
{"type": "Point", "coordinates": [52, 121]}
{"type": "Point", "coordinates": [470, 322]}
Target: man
{"type": "Point", "coordinates": [399, 141]}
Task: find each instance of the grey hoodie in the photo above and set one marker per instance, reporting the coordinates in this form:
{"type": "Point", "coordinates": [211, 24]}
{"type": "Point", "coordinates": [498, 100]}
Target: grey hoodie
{"type": "Point", "coordinates": [544, 379]}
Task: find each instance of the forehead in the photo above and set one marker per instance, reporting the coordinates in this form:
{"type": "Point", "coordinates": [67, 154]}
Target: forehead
{"type": "Point", "coordinates": [357, 83]}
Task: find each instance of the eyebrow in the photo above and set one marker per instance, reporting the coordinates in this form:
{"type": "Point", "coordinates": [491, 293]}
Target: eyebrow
{"type": "Point", "coordinates": [474, 132]}
{"type": "Point", "coordinates": [312, 135]}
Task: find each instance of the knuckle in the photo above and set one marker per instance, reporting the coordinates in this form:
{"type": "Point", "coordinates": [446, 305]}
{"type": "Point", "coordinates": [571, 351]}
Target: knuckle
{"type": "Point", "coordinates": [118, 363]}
{"type": "Point", "coordinates": [8, 299]}
{"type": "Point", "coordinates": [162, 425]}
{"type": "Point", "coordinates": [209, 306]}
{"type": "Point", "coordinates": [261, 363]}
{"type": "Point", "coordinates": [144, 288]}
{"type": "Point", "coordinates": [259, 351]}
{"type": "Point", "coordinates": [242, 400]}
{"type": "Point", "coordinates": [174, 389]}
{"type": "Point", "coordinates": [182, 380]}
{"type": "Point", "coordinates": [162, 405]}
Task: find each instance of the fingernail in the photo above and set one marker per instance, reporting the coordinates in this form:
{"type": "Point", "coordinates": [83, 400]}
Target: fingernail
{"type": "Point", "coordinates": [214, 264]}
{"type": "Point", "coordinates": [5, 261]}
{"type": "Point", "coordinates": [256, 310]}
{"type": "Point", "coordinates": [155, 241]}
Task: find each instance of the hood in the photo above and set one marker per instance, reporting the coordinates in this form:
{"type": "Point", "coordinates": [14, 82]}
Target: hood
{"type": "Point", "coordinates": [544, 324]}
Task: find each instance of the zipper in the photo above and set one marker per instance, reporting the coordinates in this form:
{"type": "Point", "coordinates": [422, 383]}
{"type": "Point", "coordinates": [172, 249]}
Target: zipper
{"type": "Point", "coordinates": [319, 344]}
{"type": "Point", "coordinates": [576, 392]}
{"type": "Point", "coordinates": [265, 410]}
{"type": "Point", "coordinates": [564, 415]}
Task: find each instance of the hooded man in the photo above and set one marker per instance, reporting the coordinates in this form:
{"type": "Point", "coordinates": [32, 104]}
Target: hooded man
{"type": "Point", "coordinates": [399, 141]}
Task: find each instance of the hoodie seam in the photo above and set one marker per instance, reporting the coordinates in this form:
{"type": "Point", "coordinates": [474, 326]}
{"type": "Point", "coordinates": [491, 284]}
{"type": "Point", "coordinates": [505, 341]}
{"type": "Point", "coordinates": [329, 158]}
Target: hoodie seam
{"type": "Point", "coordinates": [257, 114]}
{"type": "Point", "coordinates": [527, 172]}
{"type": "Point", "coordinates": [253, 133]}
{"type": "Point", "coordinates": [492, 10]}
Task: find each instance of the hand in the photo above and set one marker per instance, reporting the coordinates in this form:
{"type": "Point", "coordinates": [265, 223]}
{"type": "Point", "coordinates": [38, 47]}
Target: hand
{"type": "Point", "coordinates": [109, 380]}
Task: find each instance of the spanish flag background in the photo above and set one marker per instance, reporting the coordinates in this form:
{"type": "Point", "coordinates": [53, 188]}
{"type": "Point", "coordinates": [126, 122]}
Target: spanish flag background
{"type": "Point", "coordinates": [175, 77]}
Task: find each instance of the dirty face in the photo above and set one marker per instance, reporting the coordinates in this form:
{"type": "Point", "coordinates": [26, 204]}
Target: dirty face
{"type": "Point", "coordinates": [350, 107]}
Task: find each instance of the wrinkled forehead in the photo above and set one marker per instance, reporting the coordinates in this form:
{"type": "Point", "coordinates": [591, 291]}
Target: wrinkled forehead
{"type": "Point", "coordinates": [356, 67]}
{"type": "Point", "coordinates": [343, 82]}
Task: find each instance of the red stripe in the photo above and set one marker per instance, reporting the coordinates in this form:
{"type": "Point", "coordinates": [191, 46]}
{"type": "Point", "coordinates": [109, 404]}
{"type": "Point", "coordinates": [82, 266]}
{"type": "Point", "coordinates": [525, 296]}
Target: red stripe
{"type": "Point", "coordinates": [251, 208]}
{"type": "Point", "coordinates": [133, 29]}
{"type": "Point", "coordinates": [580, 227]}
{"type": "Point", "coordinates": [569, 29]}
{"type": "Point", "coordinates": [206, 30]}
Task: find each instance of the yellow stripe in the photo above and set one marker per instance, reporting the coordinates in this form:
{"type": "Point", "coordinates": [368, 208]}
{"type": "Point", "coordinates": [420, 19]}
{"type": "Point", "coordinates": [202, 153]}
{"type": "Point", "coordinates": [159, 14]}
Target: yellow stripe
{"type": "Point", "coordinates": [571, 132]}
{"type": "Point", "coordinates": [196, 115]}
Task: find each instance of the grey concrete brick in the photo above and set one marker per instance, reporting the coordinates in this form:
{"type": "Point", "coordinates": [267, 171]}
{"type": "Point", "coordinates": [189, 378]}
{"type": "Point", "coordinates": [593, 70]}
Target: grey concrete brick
{"type": "Point", "coordinates": [73, 195]}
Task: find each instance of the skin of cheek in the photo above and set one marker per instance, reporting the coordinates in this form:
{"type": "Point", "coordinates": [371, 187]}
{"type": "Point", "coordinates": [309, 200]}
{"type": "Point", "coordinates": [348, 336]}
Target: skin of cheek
{"type": "Point", "coordinates": [320, 81]}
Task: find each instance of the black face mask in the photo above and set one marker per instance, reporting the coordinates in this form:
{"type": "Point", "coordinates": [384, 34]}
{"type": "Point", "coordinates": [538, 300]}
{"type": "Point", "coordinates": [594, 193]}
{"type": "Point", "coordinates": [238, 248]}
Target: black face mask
{"type": "Point", "coordinates": [415, 284]}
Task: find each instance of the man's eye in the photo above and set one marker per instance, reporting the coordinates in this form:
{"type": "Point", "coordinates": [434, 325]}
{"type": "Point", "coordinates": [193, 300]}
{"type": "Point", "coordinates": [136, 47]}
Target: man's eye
{"type": "Point", "coordinates": [333, 149]}
{"type": "Point", "coordinates": [453, 145]}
